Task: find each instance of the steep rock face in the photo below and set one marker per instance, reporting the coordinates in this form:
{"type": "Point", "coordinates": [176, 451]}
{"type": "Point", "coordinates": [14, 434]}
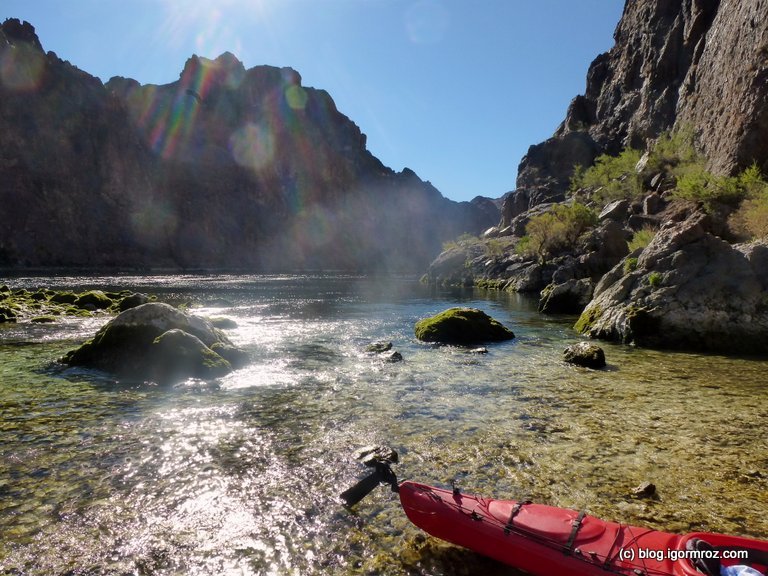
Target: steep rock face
{"type": "Point", "coordinates": [725, 94]}
{"type": "Point", "coordinates": [225, 167]}
{"type": "Point", "coordinates": [69, 161]}
{"type": "Point", "coordinates": [701, 64]}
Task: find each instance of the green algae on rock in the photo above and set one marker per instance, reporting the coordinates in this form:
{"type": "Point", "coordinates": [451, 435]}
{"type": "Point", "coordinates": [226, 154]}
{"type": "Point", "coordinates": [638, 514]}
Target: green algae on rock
{"type": "Point", "coordinates": [158, 342]}
{"type": "Point", "coordinates": [462, 326]}
{"type": "Point", "coordinates": [27, 306]}
{"type": "Point", "coordinates": [93, 299]}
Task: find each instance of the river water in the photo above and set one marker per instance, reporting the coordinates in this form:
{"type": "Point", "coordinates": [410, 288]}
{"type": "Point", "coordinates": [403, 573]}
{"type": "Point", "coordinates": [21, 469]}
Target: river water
{"type": "Point", "coordinates": [241, 476]}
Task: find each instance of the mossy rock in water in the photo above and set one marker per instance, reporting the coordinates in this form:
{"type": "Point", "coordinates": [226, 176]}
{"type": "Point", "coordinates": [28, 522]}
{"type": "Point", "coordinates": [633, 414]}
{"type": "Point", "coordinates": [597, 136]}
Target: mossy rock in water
{"type": "Point", "coordinates": [177, 355]}
{"type": "Point", "coordinates": [39, 295]}
{"type": "Point", "coordinates": [63, 298]}
{"type": "Point", "coordinates": [43, 319]}
{"type": "Point", "coordinates": [95, 299]}
{"type": "Point", "coordinates": [132, 300]}
{"type": "Point", "coordinates": [585, 354]}
{"type": "Point", "coordinates": [230, 353]}
{"type": "Point", "coordinates": [378, 347]}
{"type": "Point", "coordinates": [462, 326]}
{"type": "Point", "coordinates": [126, 345]}
{"type": "Point", "coordinates": [223, 322]}
{"type": "Point", "coordinates": [7, 314]}
{"type": "Point", "coordinates": [75, 311]}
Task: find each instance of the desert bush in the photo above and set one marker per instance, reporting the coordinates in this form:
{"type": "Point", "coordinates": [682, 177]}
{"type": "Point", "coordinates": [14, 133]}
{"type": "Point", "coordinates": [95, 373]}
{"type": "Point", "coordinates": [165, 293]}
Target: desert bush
{"type": "Point", "coordinates": [494, 248]}
{"type": "Point", "coordinates": [630, 265]}
{"type": "Point", "coordinates": [610, 178]}
{"type": "Point", "coordinates": [642, 238]}
{"type": "Point", "coordinates": [555, 231]}
{"type": "Point", "coordinates": [699, 185]}
{"type": "Point", "coordinates": [466, 240]}
{"type": "Point", "coordinates": [673, 152]}
{"type": "Point", "coordinates": [751, 219]}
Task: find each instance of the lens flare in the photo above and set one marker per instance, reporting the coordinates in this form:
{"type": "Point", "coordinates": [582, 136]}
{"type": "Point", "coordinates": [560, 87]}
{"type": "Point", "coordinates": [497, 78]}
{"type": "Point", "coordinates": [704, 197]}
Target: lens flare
{"type": "Point", "coordinates": [427, 22]}
{"type": "Point", "coordinates": [21, 68]}
{"type": "Point", "coordinates": [296, 97]}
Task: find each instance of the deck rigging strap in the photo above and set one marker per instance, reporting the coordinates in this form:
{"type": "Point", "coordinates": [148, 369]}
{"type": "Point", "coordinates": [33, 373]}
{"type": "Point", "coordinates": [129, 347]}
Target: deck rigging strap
{"type": "Point", "coordinates": [515, 511]}
{"type": "Point", "coordinates": [575, 525]}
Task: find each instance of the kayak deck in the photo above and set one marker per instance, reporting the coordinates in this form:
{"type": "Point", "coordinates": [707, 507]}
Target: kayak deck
{"type": "Point", "coordinates": [547, 540]}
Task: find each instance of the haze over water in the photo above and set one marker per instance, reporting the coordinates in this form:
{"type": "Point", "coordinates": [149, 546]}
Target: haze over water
{"type": "Point", "coordinates": [241, 476]}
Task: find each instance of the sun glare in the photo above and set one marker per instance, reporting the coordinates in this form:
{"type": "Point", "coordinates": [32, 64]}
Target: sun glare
{"type": "Point", "coordinates": [212, 26]}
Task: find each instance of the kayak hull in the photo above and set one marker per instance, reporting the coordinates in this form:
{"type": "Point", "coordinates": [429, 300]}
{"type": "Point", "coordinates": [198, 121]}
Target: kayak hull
{"type": "Point", "coordinates": [547, 540]}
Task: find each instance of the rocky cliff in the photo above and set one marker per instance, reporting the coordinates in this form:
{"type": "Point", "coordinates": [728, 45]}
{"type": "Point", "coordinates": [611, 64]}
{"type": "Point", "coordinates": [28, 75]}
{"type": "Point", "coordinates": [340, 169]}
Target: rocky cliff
{"type": "Point", "coordinates": [701, 64]}
{"type": "Point", "coordinates": [658, 267]}
{"type": "Point", "coordinates": [226, 167]}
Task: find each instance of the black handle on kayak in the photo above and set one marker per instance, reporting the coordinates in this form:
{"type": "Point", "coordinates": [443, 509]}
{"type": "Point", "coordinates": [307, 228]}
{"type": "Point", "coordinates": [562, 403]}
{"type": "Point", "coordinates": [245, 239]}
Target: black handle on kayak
{"type": "Point", "coordinates": [379, 458]}
{"type": "Point", "coordinates": [360, 490]}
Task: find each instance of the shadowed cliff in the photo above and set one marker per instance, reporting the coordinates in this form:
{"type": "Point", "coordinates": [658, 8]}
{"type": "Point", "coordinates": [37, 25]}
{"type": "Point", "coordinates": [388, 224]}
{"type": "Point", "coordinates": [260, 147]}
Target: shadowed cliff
{"type": "Point", "coordinates": [225, 167]}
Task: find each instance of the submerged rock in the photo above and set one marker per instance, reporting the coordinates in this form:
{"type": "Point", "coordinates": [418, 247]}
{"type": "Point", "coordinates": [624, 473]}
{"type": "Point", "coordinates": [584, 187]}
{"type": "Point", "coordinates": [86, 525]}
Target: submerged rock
{"type": "Point", "coordinates": [156, 341]}
{"type": "Point", "coordinates": [372, 455]}
{"type": "Point", "coordinates": [378, 347]}
{"type": "Point", "coordinates": [462, 326]}
{"type": "Point", "coordinates": [644, 490]}
{"type": "Point", "coordinates": [223, 322]}
{"type": "Point", "coordinates": [391, 356]}
{"type": "Point", "coordinates": [585, 354]}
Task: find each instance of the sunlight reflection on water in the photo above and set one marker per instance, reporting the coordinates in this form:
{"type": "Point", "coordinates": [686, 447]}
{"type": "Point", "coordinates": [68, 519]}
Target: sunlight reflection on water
{"type": "Point", "coordinates": [241, 476]}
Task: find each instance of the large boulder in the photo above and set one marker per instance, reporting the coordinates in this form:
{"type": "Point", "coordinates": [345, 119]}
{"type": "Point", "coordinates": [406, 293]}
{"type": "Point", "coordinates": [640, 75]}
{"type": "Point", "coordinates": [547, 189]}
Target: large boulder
{"type": "Point", "coordinates": [462, 326]}
{"type": "Point", "coordinates": [158, 342]}
{"type": "Point", "coordinates": [689, 290]}
{"type": "Point", "coordinates": [585, 354]}
{"type": "Point", "coordinates": [569, 297]}
{"type": "Point", "coordinates": [184, 355]}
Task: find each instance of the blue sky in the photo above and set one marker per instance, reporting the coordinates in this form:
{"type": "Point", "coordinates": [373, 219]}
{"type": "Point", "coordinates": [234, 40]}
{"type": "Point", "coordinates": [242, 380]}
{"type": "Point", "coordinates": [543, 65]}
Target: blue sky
{"type": "Point", "coordinates": [456, 90]}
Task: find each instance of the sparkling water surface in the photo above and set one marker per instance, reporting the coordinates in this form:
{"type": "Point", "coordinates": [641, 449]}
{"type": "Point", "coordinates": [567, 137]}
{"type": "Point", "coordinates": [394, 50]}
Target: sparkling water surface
{"type": "Point", "coordinates": [242, 475]}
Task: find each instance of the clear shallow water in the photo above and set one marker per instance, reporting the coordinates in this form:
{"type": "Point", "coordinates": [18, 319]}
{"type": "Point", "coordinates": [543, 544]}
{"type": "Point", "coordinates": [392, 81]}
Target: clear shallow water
{"type": "Point", "coordinates": [240, 476]}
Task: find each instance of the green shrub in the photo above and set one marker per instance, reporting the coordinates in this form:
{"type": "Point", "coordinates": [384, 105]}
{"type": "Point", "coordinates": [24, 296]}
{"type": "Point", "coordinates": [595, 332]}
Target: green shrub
{"type": "Point", "coordinates": [630, 265]}
{"type": "Point", "coordinates": [751, 219]}
{"type": "Point", "coordinates": [464, 241]}
{"type": "Point", "coordinates": [752, 182]}
{"type": "Point", "coordinates": [555, 231]}
{"type": "Point", "coordinates": [611, 177]}
{"type": "Point", "coordinates": [673, 152]}
{"type": "Point", "coordinates": [494, 248]}
{"type": "Point", "coordinates": [654, 279]}
{"type": "Point", "coordinates": [642, 238]}
{"type": "Point", "coordinates": [698, 185]}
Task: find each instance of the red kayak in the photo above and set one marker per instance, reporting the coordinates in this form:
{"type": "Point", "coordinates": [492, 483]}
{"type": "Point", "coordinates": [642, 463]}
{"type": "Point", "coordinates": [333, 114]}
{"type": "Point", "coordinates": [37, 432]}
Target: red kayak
{"type": "Point", "coordinates": [551, 541]}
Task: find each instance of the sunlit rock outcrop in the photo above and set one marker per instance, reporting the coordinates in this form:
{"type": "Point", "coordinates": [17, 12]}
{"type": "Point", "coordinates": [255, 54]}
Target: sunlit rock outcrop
{"type": "Point", "coordinates": [690, 290]}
